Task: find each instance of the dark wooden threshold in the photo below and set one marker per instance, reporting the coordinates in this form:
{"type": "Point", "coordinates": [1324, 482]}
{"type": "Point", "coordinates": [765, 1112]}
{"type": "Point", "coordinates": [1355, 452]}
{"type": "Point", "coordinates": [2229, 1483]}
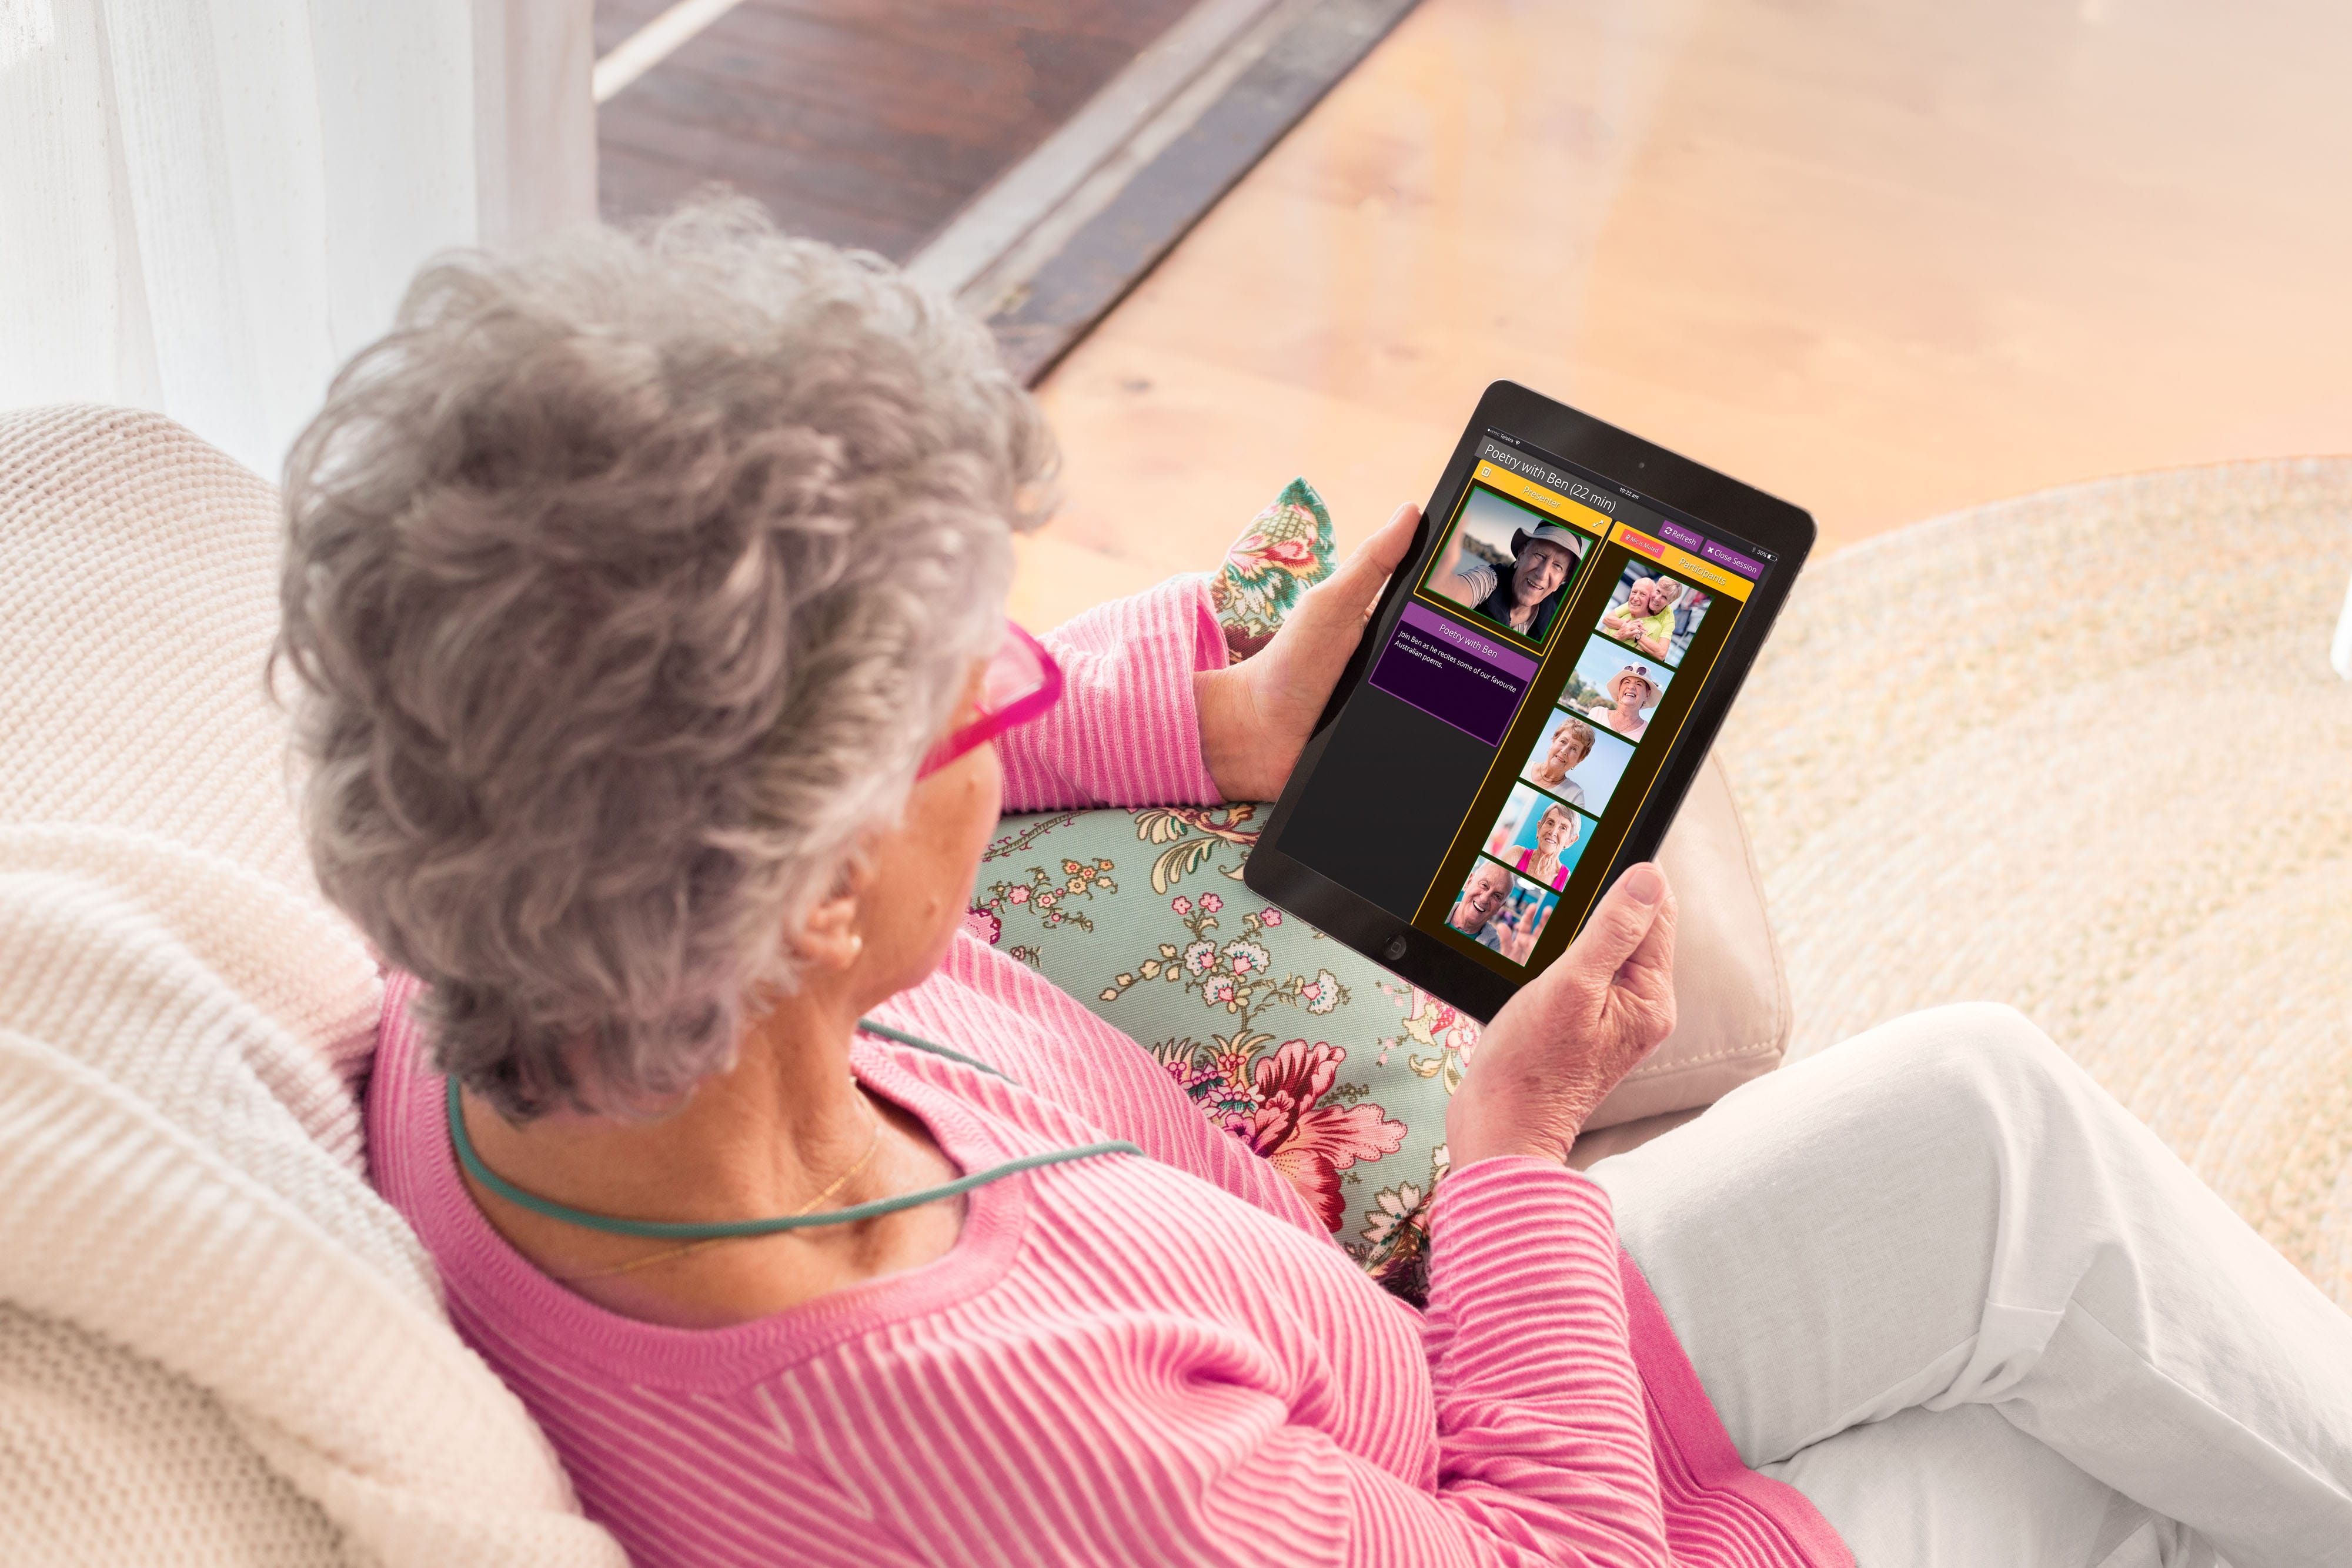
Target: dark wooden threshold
{"type": "Point", "coordinates": [1043, 293]}
{"type": "Point", "coordinates": [1036, 157]}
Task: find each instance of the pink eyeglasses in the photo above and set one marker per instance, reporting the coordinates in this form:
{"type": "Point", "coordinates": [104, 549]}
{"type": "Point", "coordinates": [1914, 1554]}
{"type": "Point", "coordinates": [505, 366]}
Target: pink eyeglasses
{"type": "Point", "coordinates": [1021, 683]}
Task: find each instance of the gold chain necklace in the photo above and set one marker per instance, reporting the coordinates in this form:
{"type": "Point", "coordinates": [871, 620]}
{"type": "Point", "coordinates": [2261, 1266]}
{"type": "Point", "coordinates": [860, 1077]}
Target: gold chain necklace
{"type": "Point", "coordinates": [843, 1179]}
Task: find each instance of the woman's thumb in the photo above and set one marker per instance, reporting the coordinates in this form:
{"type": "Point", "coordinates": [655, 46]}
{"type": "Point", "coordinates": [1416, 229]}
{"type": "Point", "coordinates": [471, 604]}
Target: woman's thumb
{"type": "Point", "coordinates": [1352, 588]}
{"type": "Point", "coordinates": [1618, 926]}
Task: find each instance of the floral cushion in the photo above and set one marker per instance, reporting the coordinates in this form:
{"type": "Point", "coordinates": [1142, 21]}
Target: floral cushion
{"type": "Point", "coordinates": [1304, 1048]}
{"type": "Point", "coordinates": [1324, 1062]}
{"type": "Point", "coordinates": [1286, 551]}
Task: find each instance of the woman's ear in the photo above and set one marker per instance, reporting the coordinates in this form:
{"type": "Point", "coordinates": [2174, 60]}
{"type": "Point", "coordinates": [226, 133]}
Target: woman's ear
{"type": "Point", "coordinates": [829, 937]}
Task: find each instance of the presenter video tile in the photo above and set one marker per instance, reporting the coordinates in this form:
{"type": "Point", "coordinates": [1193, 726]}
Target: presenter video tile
{"type": "Point", "coordinates": [1507, 566]}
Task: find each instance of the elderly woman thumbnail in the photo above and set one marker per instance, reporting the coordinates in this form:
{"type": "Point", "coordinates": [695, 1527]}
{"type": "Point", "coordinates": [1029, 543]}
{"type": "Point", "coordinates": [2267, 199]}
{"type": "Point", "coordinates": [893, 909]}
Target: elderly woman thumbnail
{"type": "Point", "coordinates": [1556, 832]}
{"type": "Point", "coordinates": [1631, 692]}
{"type": "Point", "coordinates": [1571, 743]}
{"type": "Point", "coordinates": [646, 598]}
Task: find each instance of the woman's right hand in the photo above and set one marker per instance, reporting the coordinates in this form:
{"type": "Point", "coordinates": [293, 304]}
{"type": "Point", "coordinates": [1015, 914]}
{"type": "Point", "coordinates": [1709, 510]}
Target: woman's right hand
{"type": "Point", "coordinates": [1558, 1048]}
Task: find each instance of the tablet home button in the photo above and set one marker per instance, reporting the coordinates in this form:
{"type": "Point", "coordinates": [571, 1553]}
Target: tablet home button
{"type": "Point", "coordinates": [1394, 950]}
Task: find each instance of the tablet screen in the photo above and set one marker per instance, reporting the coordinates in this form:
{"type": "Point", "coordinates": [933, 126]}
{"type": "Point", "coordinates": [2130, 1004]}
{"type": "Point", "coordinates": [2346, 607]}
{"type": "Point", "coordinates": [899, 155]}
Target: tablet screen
{"type": "Point", "coordinates": [1522, 705]}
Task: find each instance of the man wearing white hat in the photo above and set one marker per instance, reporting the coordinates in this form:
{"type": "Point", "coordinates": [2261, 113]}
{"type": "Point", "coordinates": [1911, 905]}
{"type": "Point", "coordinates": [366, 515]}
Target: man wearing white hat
{"type": "Point", "coordinates": [1542, 560]}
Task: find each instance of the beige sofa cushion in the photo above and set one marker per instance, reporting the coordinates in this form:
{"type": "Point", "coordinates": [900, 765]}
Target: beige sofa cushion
{"type": "Point", "coordinates": [1731, 998]}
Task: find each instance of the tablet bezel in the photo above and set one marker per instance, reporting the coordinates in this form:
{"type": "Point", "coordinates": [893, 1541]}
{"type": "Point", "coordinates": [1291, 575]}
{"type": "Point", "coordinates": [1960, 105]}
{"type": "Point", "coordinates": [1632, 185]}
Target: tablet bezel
{"type": "Point", "coordinates": [1641, 470]}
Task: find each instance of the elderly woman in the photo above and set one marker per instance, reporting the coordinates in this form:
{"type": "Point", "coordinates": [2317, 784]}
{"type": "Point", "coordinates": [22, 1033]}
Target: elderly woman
{"type": "Point", "coordinates": [1556, 833]}
{"type": "Point", "coordinates": [648, 600]}
{"type": "Point", "coordinates": [1571, 743]}
{"type": "Point", "coordinates": [1631, 693]}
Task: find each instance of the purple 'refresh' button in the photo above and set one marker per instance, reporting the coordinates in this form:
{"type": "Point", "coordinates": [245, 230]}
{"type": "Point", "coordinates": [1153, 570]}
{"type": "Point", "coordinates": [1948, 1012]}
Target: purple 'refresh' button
{"type": "Point", "coordinates": [1743, 565]}
{"type": "Point", "coordinates": [1676, 534]}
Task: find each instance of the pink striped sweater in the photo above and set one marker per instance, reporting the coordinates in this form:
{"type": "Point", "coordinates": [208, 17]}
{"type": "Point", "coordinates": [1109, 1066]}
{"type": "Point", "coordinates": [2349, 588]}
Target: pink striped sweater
{"type": "Point", "coordinates": [1122, 1360]}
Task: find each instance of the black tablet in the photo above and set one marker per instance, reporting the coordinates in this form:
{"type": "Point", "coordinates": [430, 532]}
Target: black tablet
{"type": "Point", "coordinates": [1532, 695]}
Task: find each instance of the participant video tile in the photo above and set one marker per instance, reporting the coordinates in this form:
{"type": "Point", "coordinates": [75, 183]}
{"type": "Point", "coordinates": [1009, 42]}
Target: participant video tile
{"type": "Point", "coordinates": [1577, 760]}
{"type": "Point", "coordinates": [1500, 909]}
{"type": "Point", "coordinates": [1507, 566]}
{"type": "Point", "coordinates": [1654, 612]}
{"type": "Point", "coordinates": [1616, 688]}
{"type": "Point", "coordinates": [1539, 837]}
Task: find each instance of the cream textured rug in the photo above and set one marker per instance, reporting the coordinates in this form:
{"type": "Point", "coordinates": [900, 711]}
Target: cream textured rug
{"type": "Point", "coordinates": [2083, 753]}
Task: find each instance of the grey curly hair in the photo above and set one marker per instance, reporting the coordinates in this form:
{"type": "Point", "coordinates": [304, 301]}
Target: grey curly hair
{"type": "Point", "coordinates": [626, 584]}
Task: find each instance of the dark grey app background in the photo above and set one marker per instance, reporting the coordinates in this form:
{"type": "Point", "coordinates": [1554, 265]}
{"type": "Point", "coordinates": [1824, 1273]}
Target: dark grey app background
{"type": "Point", "coordinates": [1384, 802]}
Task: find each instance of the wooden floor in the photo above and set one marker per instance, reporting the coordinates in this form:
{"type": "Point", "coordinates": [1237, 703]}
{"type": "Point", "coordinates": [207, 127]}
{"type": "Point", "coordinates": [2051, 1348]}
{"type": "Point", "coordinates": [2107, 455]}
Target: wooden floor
{"type": "Point", "coordinates": [1884, 259]}
{"type": "Point", "coordinates": [865, 122]}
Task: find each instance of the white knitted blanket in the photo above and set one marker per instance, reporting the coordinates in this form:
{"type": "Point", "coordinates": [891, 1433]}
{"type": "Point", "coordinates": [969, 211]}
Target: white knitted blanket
{"type": "Point", "coordinates": [216, 1343]}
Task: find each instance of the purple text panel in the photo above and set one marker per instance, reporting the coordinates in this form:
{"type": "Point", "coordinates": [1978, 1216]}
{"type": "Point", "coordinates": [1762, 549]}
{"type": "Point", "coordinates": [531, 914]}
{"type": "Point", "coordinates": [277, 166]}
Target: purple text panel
{"type": "Point", "coordinates": [1451, 673]}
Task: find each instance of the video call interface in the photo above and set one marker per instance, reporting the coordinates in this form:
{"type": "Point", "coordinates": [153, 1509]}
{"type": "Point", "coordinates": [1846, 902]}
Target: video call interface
{"type": "Point", "coordinates": [1556, 637]}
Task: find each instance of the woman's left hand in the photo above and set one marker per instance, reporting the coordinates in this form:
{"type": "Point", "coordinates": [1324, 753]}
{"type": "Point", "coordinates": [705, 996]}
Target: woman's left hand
{"type": "Point", "coordinates": [1569, 1036]}
{"type": "Point", "coordinates": [1256, 715]}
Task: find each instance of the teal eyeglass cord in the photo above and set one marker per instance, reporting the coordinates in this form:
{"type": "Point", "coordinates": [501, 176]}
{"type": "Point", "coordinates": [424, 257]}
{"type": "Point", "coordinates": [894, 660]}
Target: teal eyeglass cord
{"type": "Point", "coordinates": [719, 1230]}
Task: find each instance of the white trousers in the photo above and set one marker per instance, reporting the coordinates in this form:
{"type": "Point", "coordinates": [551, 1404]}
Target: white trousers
{"type": "Point", "coordinates": [1942, 1283]}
